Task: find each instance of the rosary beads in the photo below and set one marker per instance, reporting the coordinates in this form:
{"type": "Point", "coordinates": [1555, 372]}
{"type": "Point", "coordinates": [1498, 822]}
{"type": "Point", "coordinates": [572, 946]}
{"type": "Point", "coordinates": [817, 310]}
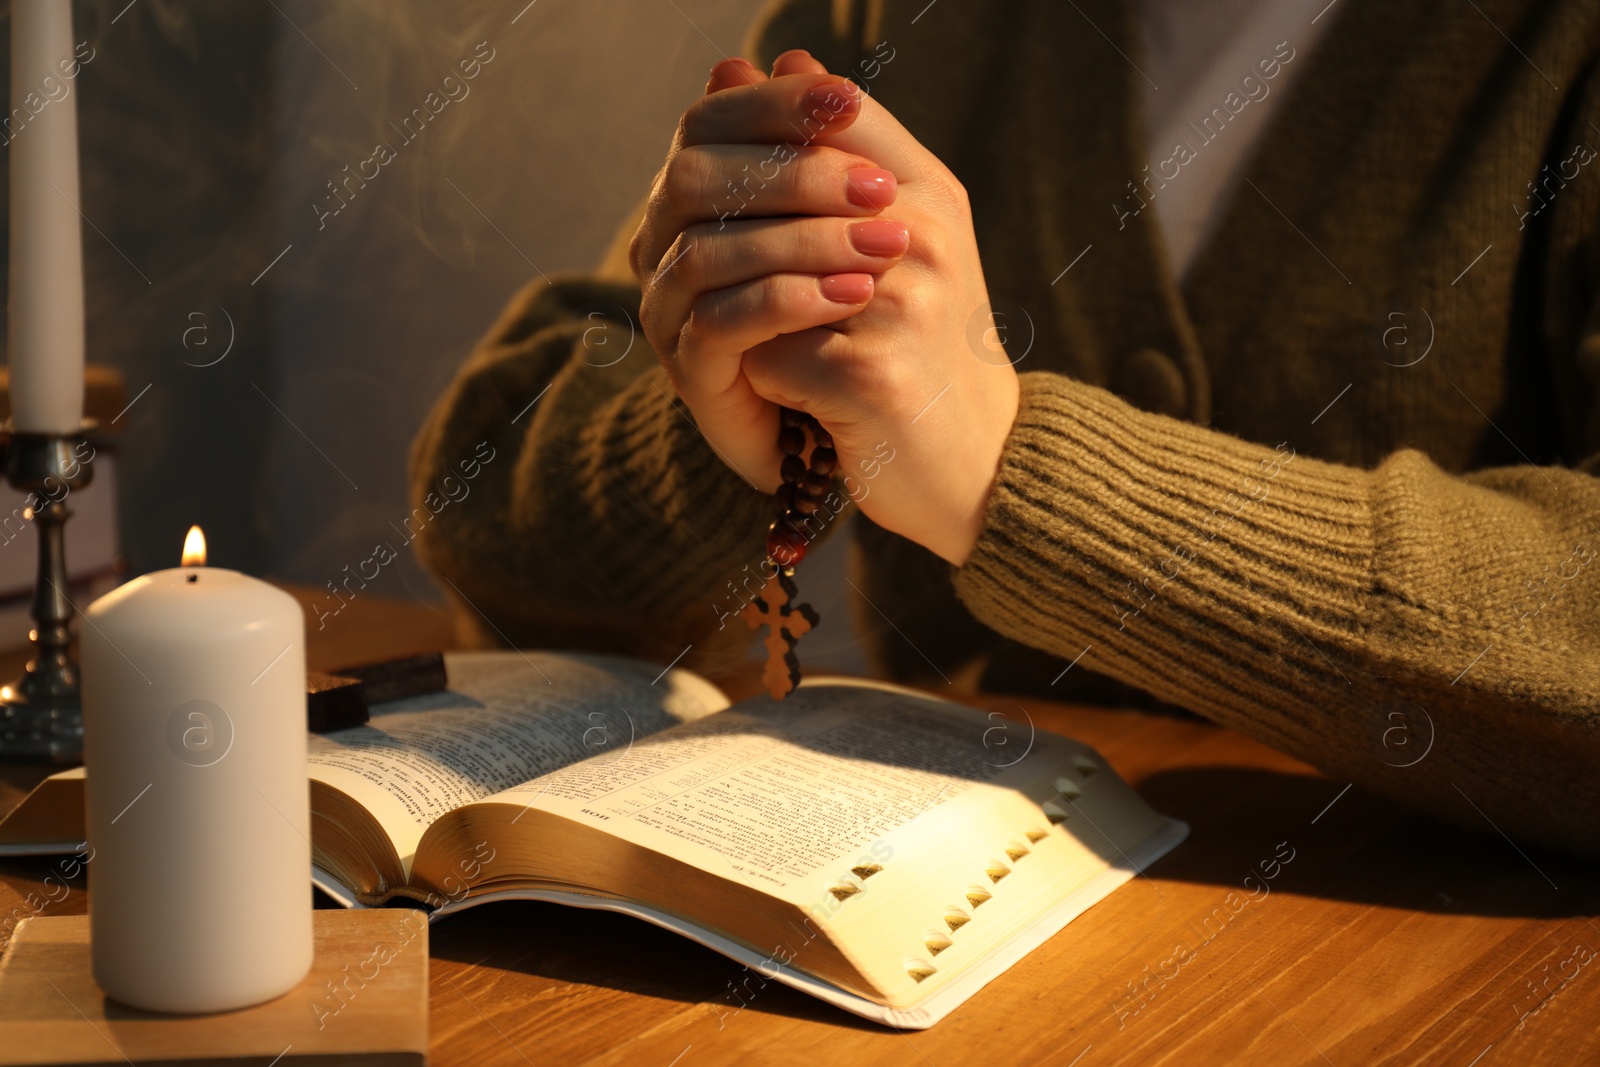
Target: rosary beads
{"type": "Point", "coordinates": [796, 500]}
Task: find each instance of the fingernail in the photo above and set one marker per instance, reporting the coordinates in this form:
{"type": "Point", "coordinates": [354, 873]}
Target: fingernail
{"type": "Point", "coordinates": [870, 187]}
{"type": "Point", "coordinates": [831, 101]}
{"type": "Point", "coordinates": [730, 72]}
{"type": "Point", "coordinates": [847, 288]}
{"type": "Point", "coordinates": [879, 237]}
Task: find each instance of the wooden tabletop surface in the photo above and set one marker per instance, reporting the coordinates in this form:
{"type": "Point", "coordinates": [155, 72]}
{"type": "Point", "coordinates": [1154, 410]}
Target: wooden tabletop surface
{"type": "Point", "coordinates": [1384, 937]}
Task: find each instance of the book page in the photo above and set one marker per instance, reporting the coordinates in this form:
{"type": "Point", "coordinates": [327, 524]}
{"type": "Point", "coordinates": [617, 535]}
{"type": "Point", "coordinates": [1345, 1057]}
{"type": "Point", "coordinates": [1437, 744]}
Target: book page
{"type": "Point", "coordinates": [508, 717]}
{"type": "Point", "coordinates": [854, 830]}
{"type": "Point", "coordinates": [773, 793]}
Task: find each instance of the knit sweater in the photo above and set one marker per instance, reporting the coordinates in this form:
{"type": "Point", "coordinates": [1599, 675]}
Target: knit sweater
{"type": "Point", "coordinates": [1338, 491]}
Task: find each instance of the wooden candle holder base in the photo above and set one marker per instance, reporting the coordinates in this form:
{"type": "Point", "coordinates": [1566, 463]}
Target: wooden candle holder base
{"type": "Point", "coordinates": [365, 1000]}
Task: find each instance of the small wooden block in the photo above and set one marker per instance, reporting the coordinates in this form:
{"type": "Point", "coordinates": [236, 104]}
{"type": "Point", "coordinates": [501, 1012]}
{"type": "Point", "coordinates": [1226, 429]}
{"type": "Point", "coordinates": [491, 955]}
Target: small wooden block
{"type": "Point", "coordinates": [341, 700]}
{"type": "Point", "coordinates": [334, 702]}
{"type": "Point", "coordinates": [365, 1000]}
{"type": "Point", "coordinates": [396, 679]}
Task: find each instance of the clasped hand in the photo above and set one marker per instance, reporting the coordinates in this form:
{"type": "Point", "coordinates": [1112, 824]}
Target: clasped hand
{"type": "Point", "coordinates": [800, 248]}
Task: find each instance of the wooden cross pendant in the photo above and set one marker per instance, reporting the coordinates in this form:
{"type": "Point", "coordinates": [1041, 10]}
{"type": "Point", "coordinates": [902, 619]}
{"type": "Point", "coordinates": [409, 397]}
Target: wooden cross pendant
{"type": "Point", "coordinates": [786, 623]}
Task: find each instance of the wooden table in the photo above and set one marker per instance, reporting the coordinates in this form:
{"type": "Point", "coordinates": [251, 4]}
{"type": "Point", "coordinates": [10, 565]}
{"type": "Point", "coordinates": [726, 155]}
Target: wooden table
{"type": "Point", "coordinates": [1386, 938]}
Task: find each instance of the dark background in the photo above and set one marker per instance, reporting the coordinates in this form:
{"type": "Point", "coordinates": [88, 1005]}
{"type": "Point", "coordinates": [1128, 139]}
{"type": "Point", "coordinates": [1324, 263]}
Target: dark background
{"type": "Point", "coordinates": [208, 131]}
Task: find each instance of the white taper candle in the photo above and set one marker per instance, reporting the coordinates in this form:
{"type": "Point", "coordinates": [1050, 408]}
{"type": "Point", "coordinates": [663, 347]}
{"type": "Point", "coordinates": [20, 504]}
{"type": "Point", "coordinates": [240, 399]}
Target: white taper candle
{"type": "Point", "coordinates": [46, 299]}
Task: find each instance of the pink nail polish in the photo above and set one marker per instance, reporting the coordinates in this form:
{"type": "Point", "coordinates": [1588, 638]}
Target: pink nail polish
{"type": "Point", "coordinates": [830, 101]}
{"type": "Point", "coordinates": [730, 73]}
{"type": "Point", "coordinates": [734, 67]}
{"type": "Point", "coordinates": [847, 288]}
{"type": "Point", "coordinates": [870, 187]}
{"type": "Point", "coordinates": [879, 237]}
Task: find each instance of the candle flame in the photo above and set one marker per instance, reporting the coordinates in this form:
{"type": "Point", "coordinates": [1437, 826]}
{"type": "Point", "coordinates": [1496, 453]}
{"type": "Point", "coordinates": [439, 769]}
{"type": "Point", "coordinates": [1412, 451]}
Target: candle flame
{"type": "Point", "coordinates": [194, 548]}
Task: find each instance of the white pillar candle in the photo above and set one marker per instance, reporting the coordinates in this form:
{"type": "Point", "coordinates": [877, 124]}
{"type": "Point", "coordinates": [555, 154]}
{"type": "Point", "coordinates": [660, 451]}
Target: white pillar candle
{"type": "Point", "coordinates": [194, 709]}
{"type": "Point", "coordinates": [46, 309]}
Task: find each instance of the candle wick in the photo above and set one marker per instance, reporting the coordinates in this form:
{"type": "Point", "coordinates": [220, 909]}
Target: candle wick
{"type": "Point", "coordinates": [193, 578]}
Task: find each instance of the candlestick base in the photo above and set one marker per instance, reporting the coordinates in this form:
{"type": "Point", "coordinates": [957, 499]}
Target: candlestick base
{"type": "Point", "coordinates": [41, 715]}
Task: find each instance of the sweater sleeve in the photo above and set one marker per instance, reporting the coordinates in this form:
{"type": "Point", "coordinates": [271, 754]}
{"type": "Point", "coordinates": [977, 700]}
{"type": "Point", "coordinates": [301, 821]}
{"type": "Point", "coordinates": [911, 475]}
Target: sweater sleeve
{"type": "Point", "coordinates": [1429, 636]}
{"type": "Point", "coordinates": [600, 516]}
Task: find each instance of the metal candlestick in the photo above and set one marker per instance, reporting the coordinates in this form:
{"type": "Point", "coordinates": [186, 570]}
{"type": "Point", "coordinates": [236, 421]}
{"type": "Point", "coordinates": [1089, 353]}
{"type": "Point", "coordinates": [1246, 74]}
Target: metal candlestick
{"type": "Point", "coordinates": [41, 714]}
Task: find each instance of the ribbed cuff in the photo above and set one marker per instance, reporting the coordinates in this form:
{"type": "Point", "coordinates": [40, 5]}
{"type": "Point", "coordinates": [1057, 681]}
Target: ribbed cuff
{"type": "Point", "coordinates": [696, 520]}
{"type": "Point", "coordinates": [1180, 556]}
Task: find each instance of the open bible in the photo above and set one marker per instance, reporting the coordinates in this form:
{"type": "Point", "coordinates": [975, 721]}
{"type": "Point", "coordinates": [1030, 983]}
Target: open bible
{"type": "Point", "coordinates": [876, 847]}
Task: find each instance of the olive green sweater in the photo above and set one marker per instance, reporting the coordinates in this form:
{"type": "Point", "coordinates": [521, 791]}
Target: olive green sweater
{"type": "Point", "coordinates": [1338, 491]}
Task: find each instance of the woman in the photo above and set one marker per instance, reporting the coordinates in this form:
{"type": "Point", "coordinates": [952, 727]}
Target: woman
{"type": "Point", "coordinates": [1294, 424]}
